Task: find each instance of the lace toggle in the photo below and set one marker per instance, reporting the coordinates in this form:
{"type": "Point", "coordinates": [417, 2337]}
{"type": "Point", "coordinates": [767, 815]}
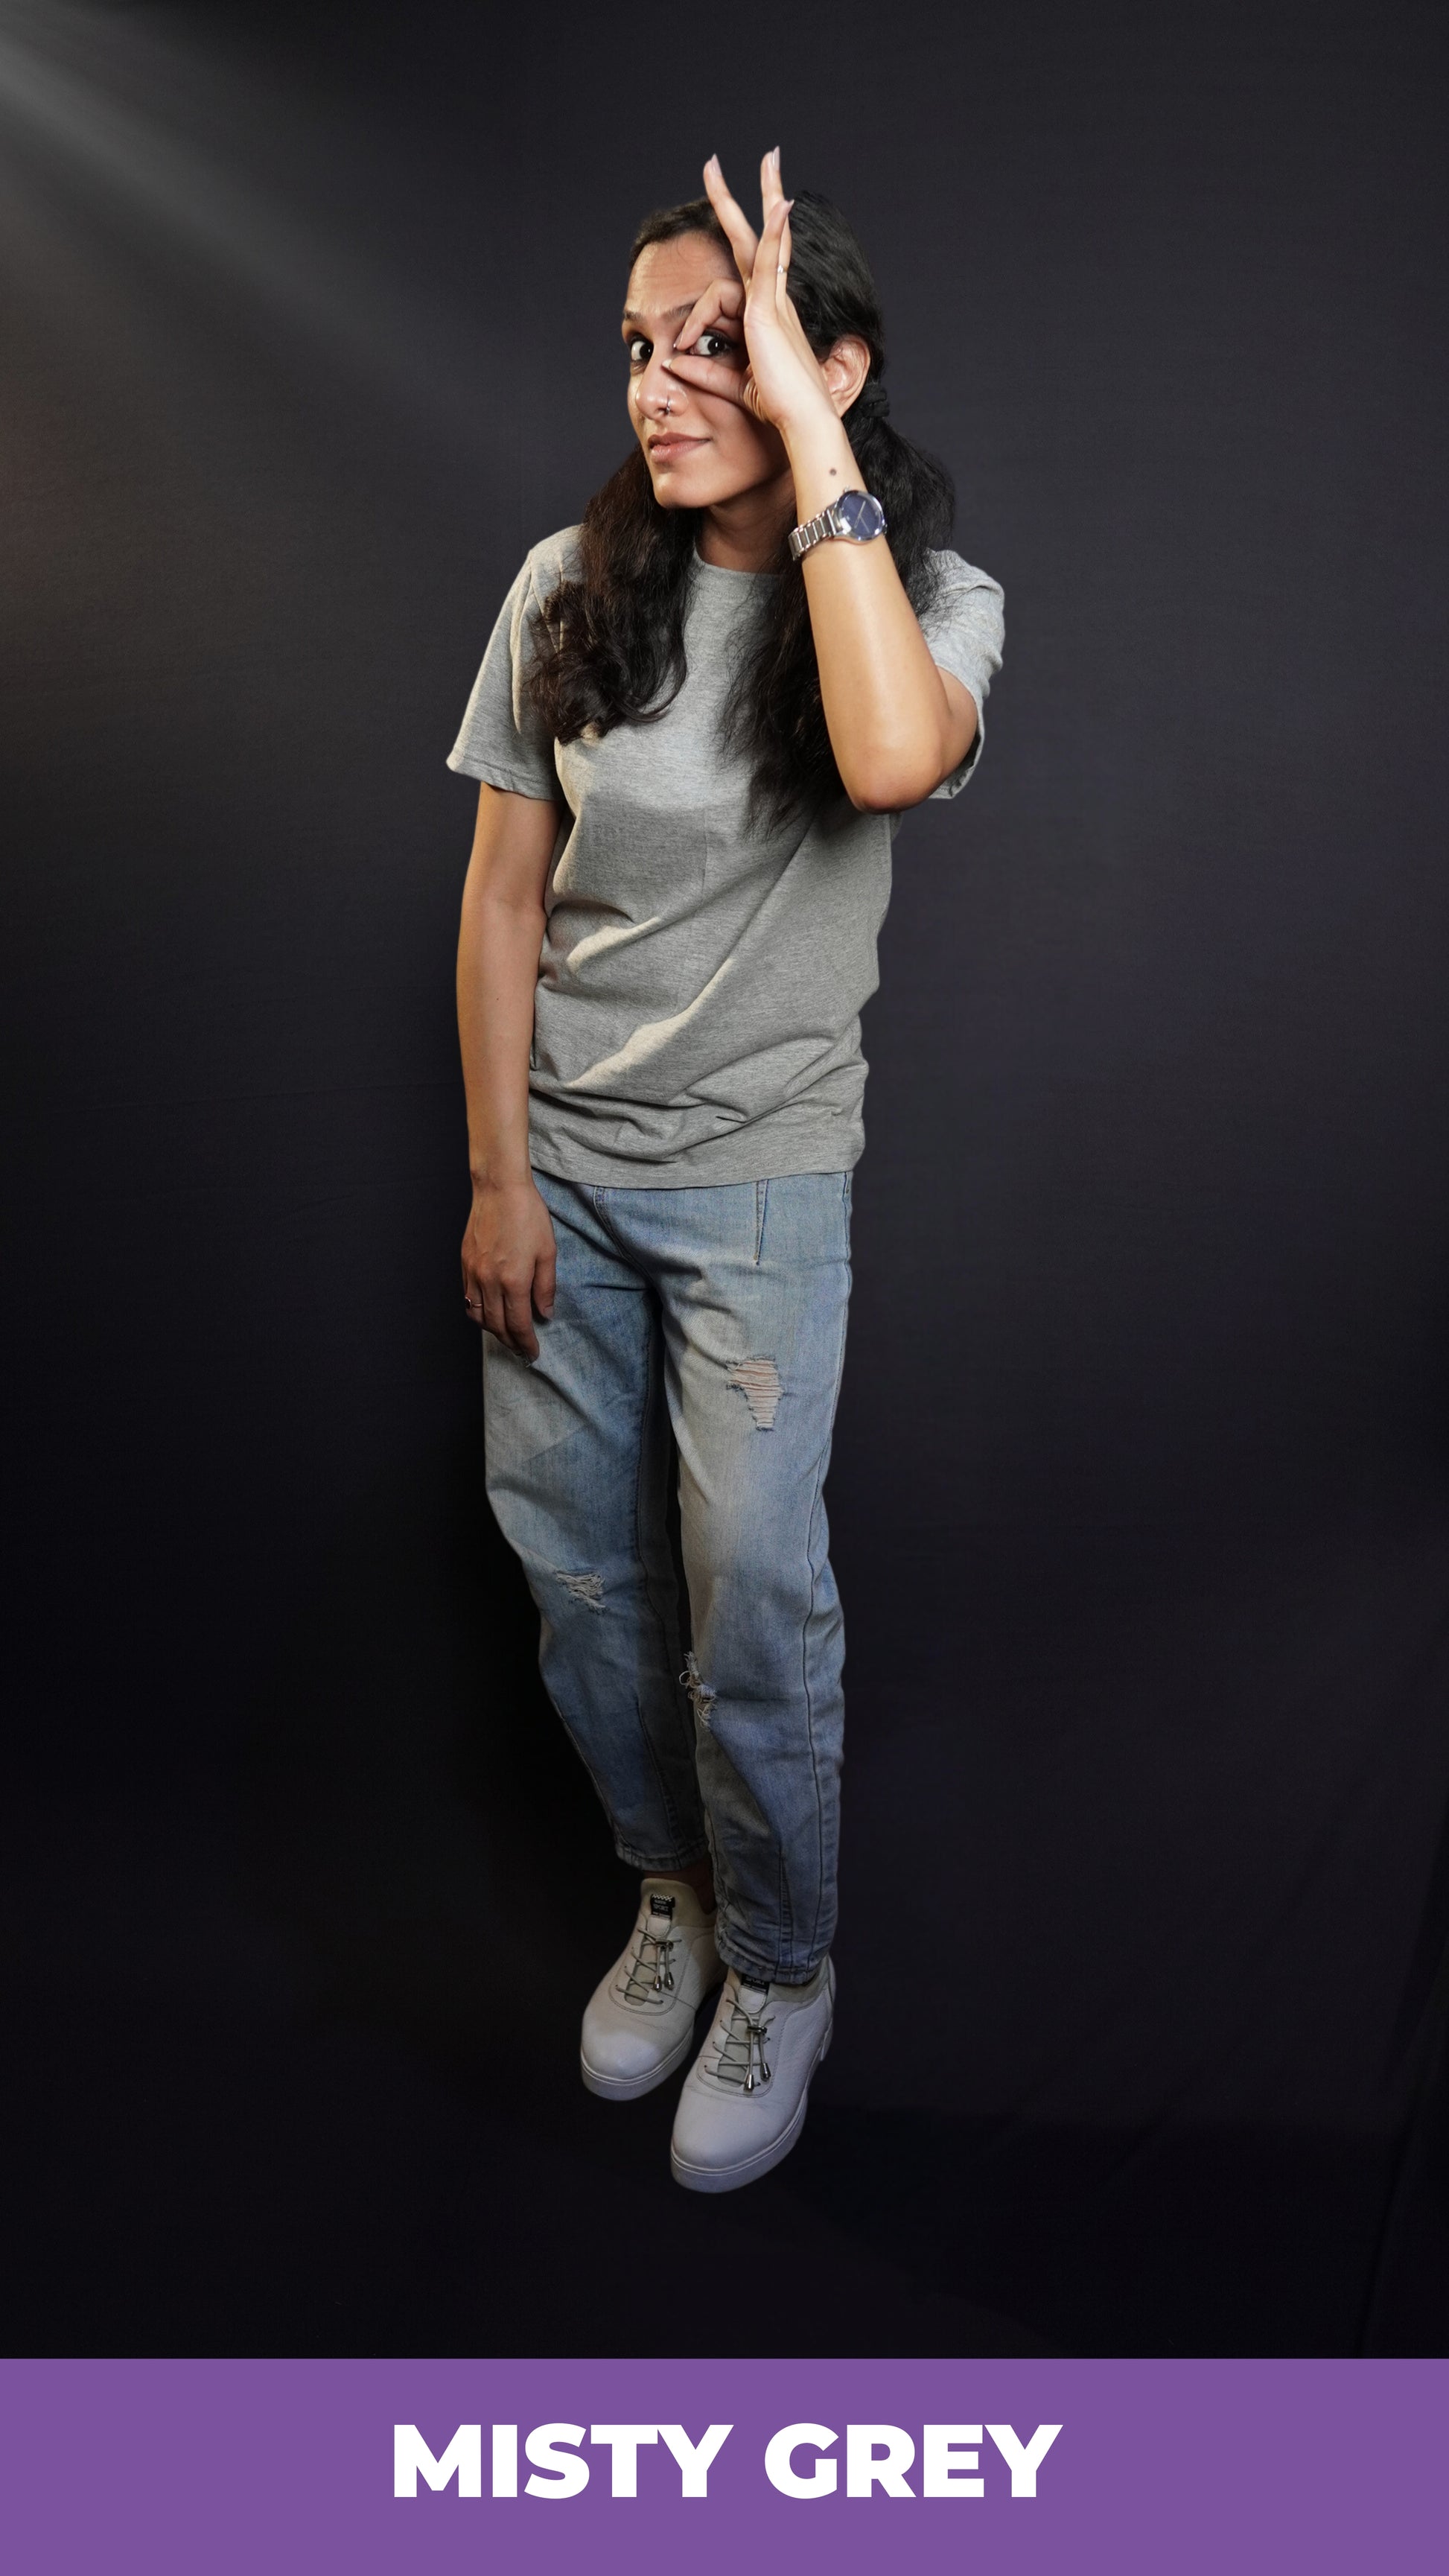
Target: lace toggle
{"type": "Point", "coordinates": [651, 1968]}
{"type": "Point", "coordinates": [742, 2058]}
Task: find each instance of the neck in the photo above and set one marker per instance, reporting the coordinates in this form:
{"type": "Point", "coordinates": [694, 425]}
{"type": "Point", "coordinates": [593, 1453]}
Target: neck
{"type": "Point", "coordinates": [743, 534]}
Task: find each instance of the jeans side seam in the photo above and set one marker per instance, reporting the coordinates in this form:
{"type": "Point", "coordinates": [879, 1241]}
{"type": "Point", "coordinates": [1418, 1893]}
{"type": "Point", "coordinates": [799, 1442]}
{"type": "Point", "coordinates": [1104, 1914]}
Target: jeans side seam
{"type": "Point", "coordinates": [651, 1366]}
{"type": "Point", "coordinates": [805, 1628]}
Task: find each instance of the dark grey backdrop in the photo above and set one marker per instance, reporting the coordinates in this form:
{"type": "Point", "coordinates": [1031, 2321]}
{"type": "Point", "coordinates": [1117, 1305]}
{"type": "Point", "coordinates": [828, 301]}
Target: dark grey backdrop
{"type": "Point", "coordinates": [1140, 1489]}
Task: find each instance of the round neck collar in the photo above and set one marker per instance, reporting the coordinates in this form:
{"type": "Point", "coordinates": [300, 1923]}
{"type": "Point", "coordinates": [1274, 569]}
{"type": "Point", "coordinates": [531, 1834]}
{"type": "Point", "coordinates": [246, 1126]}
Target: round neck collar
{"type": "Point", "coordinates": [728, 572]}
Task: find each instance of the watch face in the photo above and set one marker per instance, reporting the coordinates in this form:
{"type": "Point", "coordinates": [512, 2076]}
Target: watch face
{"type": "Point", "coordinates": [862, 514]}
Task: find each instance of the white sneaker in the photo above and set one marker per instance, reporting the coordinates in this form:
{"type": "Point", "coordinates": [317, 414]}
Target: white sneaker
{"type": "Point", "coordinates": [639, 2025]}
{"type": "Point", "coordinates": [745, 2097]}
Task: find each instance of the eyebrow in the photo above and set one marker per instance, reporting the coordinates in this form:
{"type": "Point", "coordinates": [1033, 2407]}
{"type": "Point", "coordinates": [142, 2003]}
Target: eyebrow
{"type": "Point", "coordinates": [671, 316]}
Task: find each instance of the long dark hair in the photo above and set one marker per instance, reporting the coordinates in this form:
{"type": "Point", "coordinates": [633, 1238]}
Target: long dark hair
{"type": "Point", "coordinates": [613, 648]}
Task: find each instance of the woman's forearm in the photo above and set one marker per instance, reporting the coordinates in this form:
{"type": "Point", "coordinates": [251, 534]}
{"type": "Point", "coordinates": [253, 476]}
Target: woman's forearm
{"type": "Point", "coordinates": [896, 726]}
{"type": "Point", "coordinates": [508, 1246]}
{"type": "Point", "coordinates": [499, 939]}
{"type": "Point", "coordinates": [498, 949]}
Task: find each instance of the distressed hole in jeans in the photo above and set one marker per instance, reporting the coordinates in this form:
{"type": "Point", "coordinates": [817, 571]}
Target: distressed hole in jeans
{"type": "Point", "coordinates": [698, 1688]}
{"type": "Point", "coordinates": [759, 1383]}
{"type": "Point", "coordinates": [588, 1588]}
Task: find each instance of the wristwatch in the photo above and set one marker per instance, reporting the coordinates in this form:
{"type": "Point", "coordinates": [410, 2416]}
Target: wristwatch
{"type": "Point", "coordinates": [855, 514]}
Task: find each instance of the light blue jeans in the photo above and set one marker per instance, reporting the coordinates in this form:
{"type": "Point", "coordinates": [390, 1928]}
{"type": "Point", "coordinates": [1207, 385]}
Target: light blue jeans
{"type": "Point", "coordinates": [708, 1714]}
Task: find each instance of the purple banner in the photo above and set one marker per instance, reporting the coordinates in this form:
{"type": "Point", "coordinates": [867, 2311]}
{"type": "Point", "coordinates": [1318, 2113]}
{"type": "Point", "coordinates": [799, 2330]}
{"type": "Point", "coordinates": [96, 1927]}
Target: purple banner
{"type": "Point", "coordinates": [259, 2468]}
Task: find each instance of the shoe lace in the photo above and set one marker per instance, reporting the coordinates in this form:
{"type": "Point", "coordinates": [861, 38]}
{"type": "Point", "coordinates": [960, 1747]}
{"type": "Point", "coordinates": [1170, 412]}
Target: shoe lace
{"type": "Point", "coordinates": [740, 2042]}
{"type": "Point", "coordinates": [651, 1968]}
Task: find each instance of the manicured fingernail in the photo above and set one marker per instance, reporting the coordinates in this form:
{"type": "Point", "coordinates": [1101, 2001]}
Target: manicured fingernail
{"type": "Point", "coordinates": [775, 155]}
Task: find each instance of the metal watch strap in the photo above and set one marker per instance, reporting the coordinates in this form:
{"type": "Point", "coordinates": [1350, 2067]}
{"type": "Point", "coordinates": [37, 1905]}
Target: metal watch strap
{"type": "Point", "coordinates": [811, 531]}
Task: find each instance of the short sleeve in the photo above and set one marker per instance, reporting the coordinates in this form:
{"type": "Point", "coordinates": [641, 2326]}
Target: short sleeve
{"type": "Point", "coordinates": [964, 627]}
{"type": "Point", "coordinates": [503, 740]}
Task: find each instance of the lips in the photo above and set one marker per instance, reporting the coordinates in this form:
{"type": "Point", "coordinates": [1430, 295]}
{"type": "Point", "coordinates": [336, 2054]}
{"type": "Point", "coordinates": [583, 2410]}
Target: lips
{"type": "Point", "coordinates": [667, 449]}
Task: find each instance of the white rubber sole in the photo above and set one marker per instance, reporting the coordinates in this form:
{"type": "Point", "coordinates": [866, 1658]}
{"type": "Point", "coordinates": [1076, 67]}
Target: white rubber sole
{"type": "Point", "coordinates": [734, 2177]}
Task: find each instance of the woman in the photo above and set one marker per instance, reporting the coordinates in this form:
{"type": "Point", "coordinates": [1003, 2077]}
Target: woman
{"type": "Point", "coordinates": [697, 719]}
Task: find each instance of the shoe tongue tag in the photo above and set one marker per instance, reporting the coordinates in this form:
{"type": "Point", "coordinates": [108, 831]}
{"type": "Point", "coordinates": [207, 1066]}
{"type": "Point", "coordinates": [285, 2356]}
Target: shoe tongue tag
{"type": "Point", "coordinates": [661, 1904]}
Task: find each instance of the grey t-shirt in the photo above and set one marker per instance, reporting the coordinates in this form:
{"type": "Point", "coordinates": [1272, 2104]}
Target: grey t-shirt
{"type": "Point", "coordinates": [697, 1018]}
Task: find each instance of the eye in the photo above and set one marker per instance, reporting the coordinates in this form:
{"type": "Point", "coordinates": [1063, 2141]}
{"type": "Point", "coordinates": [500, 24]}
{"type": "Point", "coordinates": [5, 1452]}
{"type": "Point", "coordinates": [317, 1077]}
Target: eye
{"type": "Point", "coordinates": [638, 349]}
{"type": "Point", "coordinates": [713, 344]}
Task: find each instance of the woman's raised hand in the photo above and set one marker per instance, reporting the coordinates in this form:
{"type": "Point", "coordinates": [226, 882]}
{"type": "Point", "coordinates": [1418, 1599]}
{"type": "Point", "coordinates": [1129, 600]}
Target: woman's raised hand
{"type": "Point", "coordinates": [783, 381]}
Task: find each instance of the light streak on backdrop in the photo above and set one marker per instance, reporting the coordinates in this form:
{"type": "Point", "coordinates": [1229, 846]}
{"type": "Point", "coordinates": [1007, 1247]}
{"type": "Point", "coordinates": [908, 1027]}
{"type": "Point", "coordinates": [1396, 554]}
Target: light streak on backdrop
{"type": "Point", "coordinates": [149, 133]}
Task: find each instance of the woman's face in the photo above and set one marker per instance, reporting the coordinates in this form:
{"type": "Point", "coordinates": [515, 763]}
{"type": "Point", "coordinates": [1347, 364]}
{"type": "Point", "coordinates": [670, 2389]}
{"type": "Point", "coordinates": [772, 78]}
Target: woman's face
{"type": "Point", "coordinates": [704, 450]}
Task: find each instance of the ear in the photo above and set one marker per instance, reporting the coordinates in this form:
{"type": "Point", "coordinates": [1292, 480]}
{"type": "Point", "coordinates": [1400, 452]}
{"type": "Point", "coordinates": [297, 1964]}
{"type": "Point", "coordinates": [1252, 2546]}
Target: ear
{"type": "Point", "coordinates": [846, 367]}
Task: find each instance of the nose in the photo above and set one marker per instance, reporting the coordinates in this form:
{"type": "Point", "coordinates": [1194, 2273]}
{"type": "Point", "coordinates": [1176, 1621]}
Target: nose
{"type": "Point", "coordinates": [656, 392]}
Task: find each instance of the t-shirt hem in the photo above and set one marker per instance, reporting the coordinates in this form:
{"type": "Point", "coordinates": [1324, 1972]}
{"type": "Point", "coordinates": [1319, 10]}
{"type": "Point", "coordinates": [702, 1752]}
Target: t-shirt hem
{"type": "Point", "coordinates": [754, 1156]}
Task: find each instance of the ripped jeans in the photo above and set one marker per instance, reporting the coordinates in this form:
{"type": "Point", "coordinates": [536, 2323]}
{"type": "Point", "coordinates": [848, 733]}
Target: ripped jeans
{"type": "Point", "coordinates": [707, 1324]}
